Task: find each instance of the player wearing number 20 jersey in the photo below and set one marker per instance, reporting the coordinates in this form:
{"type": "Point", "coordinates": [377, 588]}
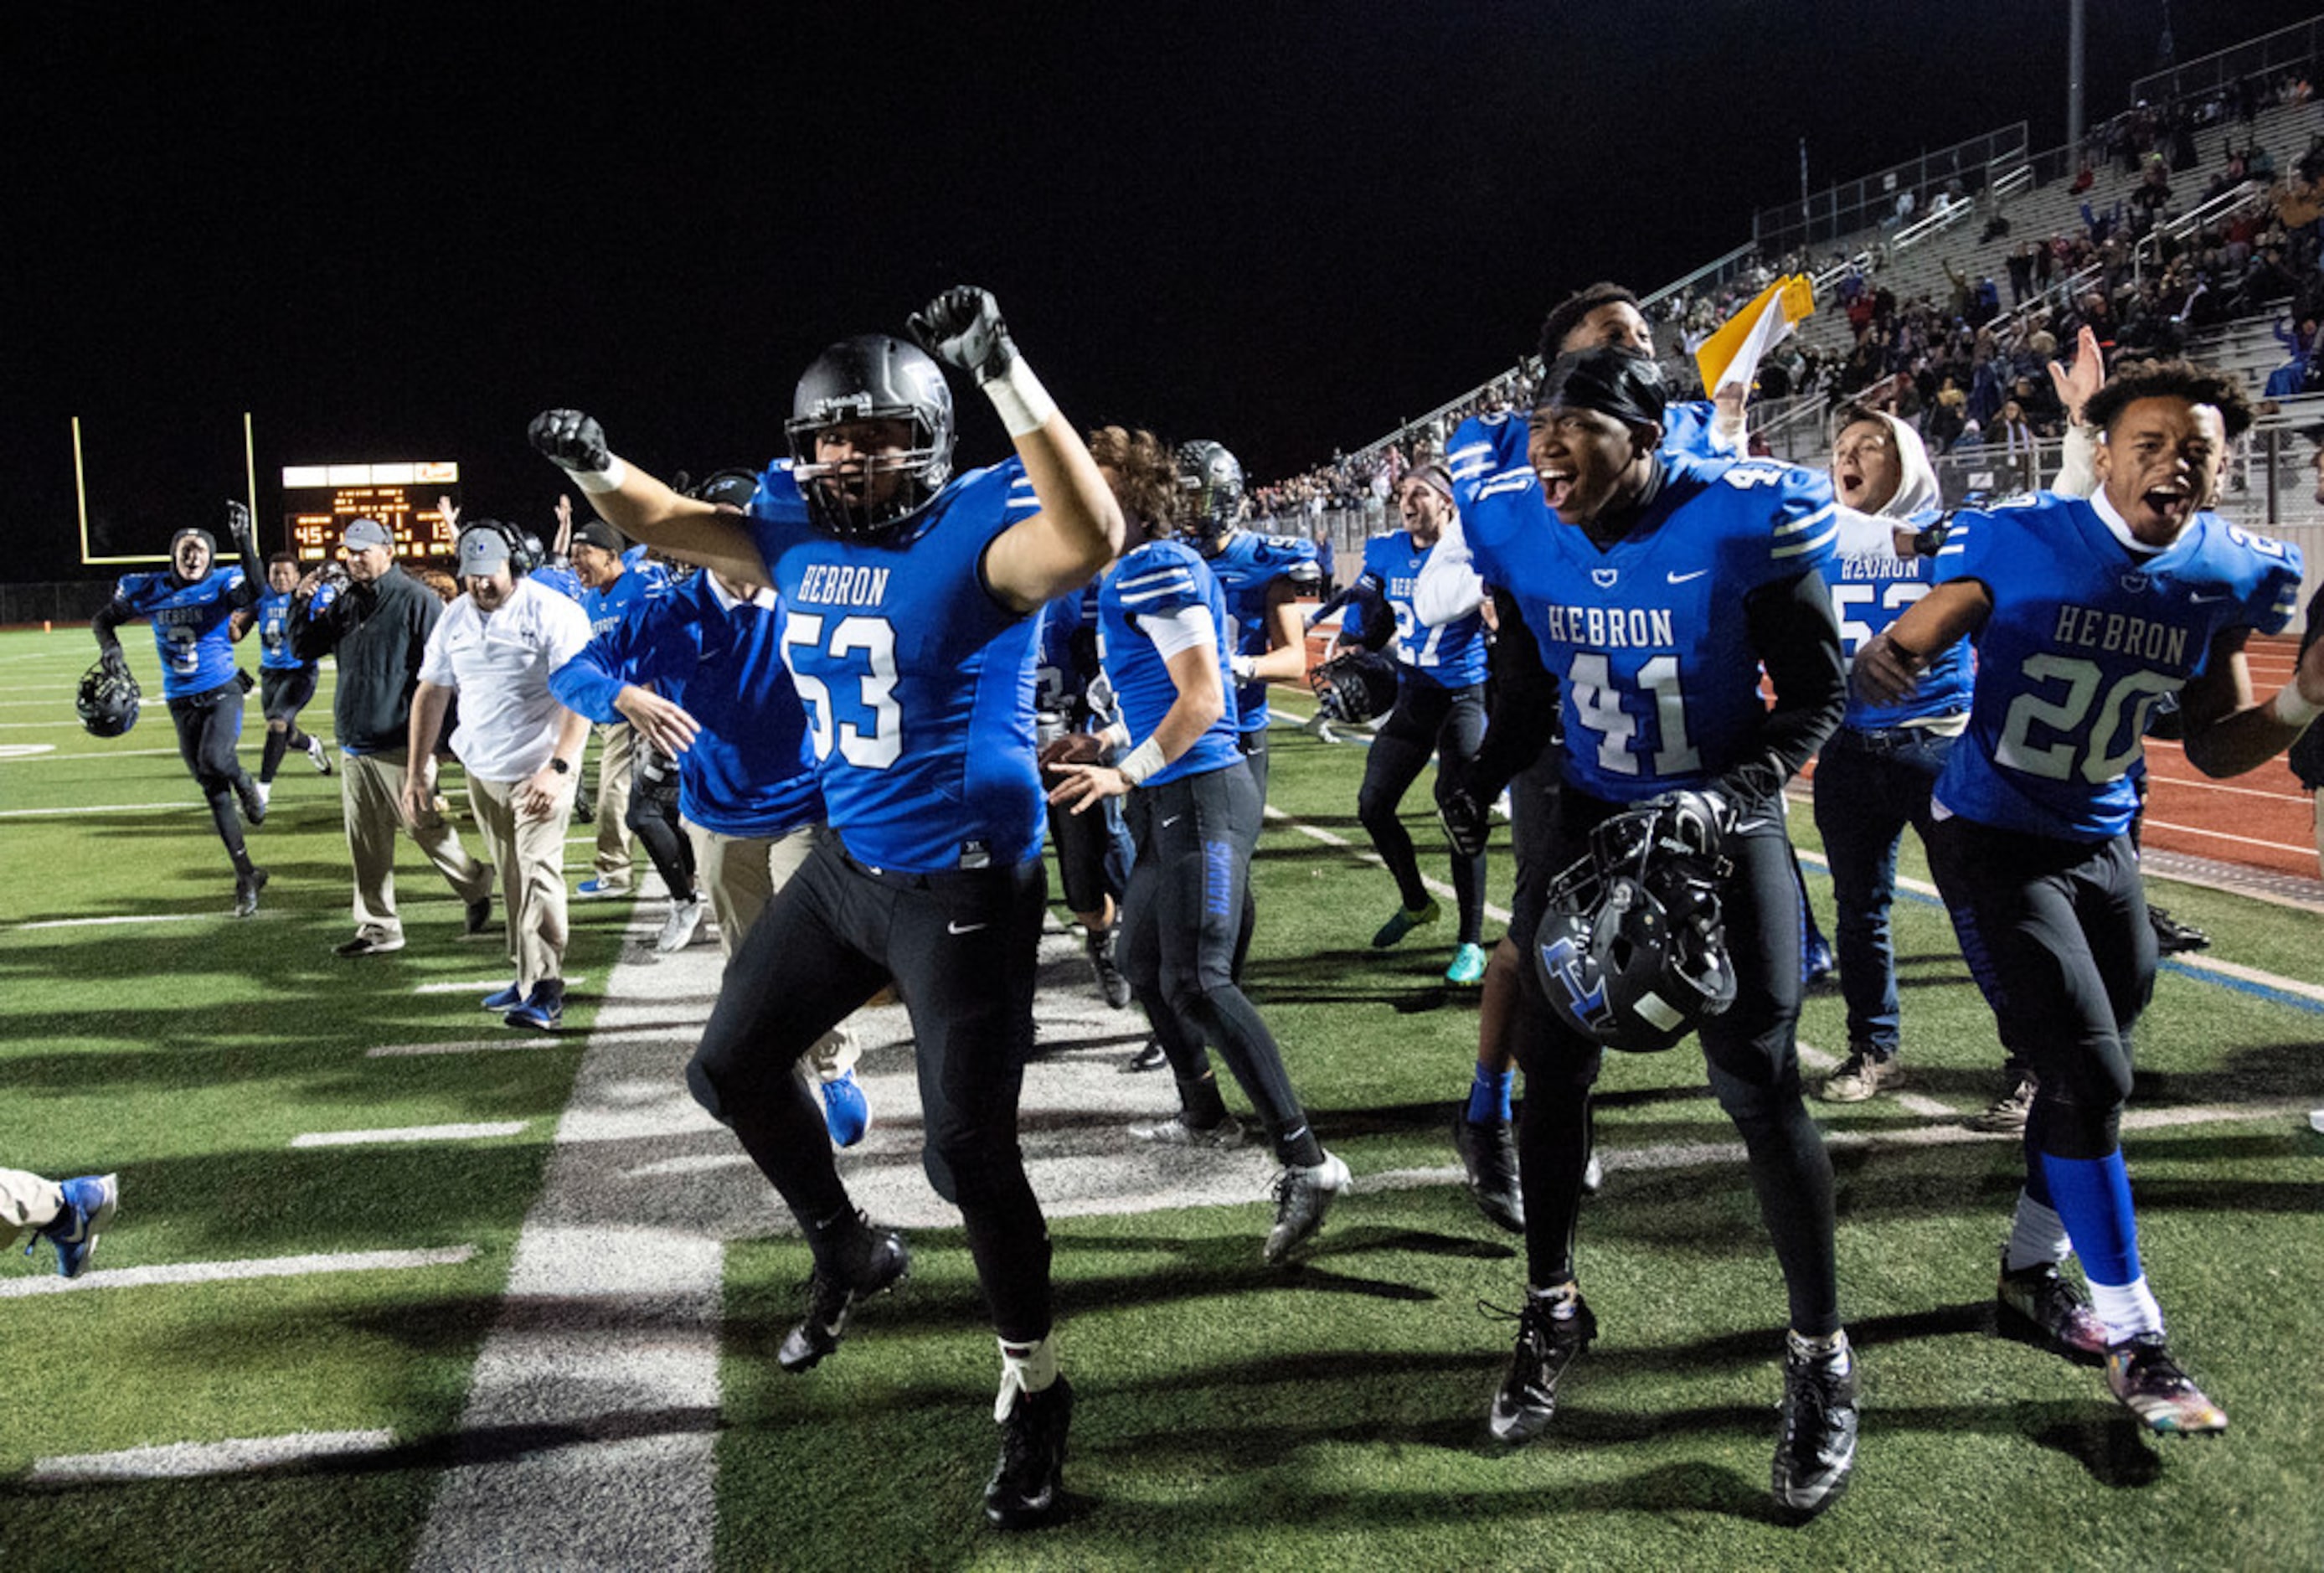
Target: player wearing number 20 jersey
{"type": "Point", "coordinates": [2082, 644]}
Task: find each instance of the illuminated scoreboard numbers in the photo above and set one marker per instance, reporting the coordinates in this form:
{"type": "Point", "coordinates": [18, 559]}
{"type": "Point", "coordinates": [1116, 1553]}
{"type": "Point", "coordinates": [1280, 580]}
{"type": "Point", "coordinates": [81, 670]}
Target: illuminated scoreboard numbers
{"type": "Point", "coordinates": [405, 497]}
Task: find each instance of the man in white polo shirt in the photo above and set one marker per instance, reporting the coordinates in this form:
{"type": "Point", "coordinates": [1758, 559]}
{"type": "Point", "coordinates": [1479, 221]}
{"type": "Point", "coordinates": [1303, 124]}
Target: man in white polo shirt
{"type": "Point", "coordinates": [495, 647]}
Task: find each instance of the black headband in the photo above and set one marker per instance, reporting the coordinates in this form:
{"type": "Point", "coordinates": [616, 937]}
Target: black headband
{"type": "Point", "coordinates": [1619, 383]}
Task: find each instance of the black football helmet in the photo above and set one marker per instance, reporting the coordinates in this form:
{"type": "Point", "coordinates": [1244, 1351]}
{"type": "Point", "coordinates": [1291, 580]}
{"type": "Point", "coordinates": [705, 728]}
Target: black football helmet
{"type": "Point", "coordinates": [108, 700]}
{"type": "Point", "coordinates": [1210, 488]}
{"type": "Point", "coordinates": [733, 487]}
{"type": "Point", "coordinates": [1355, 687]}
{"type": "Point", "coordinates": [1631, 951]}
{"type": "Point", "coordinates": [871, 377]}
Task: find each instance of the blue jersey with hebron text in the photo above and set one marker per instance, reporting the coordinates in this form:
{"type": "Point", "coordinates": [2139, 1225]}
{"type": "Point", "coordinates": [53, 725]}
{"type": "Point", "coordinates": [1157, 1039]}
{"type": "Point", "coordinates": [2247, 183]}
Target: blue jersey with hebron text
{"type": "Point", "coordinates": [190, 625]}
{"type": "Point", "coordinates": [1658, 683]}
{"type": "Point", "coordinates": [1247, 566]}
{"type": "Point", "coordinates": [1870, 592]}
{"type": "Point", "coordinates": [1451, 655]}
{"type": "Point", "coordinates": [917, 684]}
{"type": "Point", "coordinates": [272, 615]}
{"type": "Point", "coordinates": [1161, 578]}
{"type": "Point", "coordinates": [2083, 642]}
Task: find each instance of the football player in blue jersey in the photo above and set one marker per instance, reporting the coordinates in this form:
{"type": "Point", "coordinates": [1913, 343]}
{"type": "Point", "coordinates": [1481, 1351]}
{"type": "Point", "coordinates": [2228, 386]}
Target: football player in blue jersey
{"type": "Point", "coordinates": [908, 602]}
{"type": "Point", "coordinates": [1659, 588]}
{"type": "Point", "coordinates": [1439, 713]}
{"type": "Point", "coordinates": [2087, 614]}
{"type": "Point", "coordinates": [1601, 316]}
{"type": "Point", "coordinates": [1262, 577]}
{"type": "Point", "coordinates": [609, 589]}
{"type": "Point", "coordinates": [285, 682]}
{"type": "Point", "coordinates": [1194, 808]}
{"type": "Point", "coordinates": [191, 607]}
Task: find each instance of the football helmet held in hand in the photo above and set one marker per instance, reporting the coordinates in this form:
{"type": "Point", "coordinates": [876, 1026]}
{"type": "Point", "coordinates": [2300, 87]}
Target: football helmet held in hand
{"type": "Point", "coordinates": [1355, 687]}
{"type": "Point", "coordinates": [108, 698]}
{"type": "Point", "coordinates": [1631, 951]}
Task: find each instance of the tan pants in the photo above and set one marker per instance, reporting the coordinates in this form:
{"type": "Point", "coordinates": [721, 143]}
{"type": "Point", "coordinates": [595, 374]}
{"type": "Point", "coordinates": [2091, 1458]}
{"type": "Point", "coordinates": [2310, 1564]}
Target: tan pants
{"type": "Point", "coordinates": [27, 1201]}
{"type": "Point", "coordinates": [741, 874]}
{"type": "Point", "coordinates": [531, 854]}
{"type": "Point", "coordinates": [617, 762]}
{"type": "Point", "coordinates": [371, 791]}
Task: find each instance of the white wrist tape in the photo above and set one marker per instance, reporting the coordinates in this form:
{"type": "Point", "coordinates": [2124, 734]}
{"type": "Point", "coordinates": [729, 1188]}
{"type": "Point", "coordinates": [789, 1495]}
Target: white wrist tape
{"type": "Point", "coordinates": [1116, 735]}
{"type": "Point", "coordinates": [2292, 708]}
{"type": "Point", "coordinates": [1143, 762]}
{"type": "Point", "coordinates": [1025, 405]}
{"type": "Point", "coordinates": [597, 482]}
{"type": "Point", "coordinates": [1238, 667]}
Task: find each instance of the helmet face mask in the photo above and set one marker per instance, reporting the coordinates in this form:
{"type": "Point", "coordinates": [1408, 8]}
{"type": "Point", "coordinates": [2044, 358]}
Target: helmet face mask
{"type": "Point", "coordinates": [1210, 487]}
{"type": "Point", "coordinates": [1631, 951]}
{"type": "Point", "coordinates": [875, 489]}
{"type": "Point", "coordinates": [108, 700]}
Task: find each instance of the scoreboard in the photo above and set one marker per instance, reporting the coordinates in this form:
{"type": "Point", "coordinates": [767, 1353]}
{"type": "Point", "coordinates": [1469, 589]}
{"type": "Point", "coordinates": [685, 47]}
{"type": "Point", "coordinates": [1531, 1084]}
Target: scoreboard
{"type": "Point", "coordinates": [319, 499]}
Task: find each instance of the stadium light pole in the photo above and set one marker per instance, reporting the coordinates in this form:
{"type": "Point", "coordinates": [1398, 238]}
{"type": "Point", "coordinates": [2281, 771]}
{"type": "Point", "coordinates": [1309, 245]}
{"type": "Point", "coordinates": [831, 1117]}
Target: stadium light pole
{"type": "Point", "coordinates": [2074, 77]}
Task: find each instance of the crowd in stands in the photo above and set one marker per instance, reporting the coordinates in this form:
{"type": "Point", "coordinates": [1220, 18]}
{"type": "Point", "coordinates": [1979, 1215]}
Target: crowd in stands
{"type": "Point", "coordinates": [1968, 366]}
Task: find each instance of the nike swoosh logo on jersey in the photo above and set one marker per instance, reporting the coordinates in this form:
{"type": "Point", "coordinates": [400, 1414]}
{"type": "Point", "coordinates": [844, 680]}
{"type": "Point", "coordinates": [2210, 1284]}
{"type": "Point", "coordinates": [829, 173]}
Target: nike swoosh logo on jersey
{"type": "Point", "coordinates": [964, 928]}
{"type": "Point", "coordinates": [1680, 578]}
{"type": "Point", "coordinates": [2195, 600]}
{"type": "Point", "coordinates": [1172, 821]}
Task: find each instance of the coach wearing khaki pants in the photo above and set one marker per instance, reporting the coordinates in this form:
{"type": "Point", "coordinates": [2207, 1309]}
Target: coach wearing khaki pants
{"type": "Point", "coordinates": [494, 648]}
{"type": "Point", "coordinates": [376, 621]}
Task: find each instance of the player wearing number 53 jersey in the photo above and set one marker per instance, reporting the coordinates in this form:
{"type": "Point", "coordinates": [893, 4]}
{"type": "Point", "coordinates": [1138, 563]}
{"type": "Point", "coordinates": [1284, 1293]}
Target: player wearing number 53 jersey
{"type": "Point", "coordinates": [1657, 589]}
{"type": "Point", "coordinates": [2086, 613]}
{"type": "Point", "coordinates": [910, 603]}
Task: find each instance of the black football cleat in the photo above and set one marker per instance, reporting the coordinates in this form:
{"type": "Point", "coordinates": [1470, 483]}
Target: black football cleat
{"type": "Point", "coordinates": [830, 1302]}
{"type": "Point", "coordinates": [1817, 1451]}
{"type": "Point", "coordinates": [1029, 1482]}
{"type": "Point", "coordinates": [1546, 1346]}
{"type": "Point", "coordinates": [1489, 1155]}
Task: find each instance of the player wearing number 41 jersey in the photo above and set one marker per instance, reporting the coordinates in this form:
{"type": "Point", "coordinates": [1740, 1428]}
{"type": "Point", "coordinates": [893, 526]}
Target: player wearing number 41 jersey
{"type": "Point", "coordinates": [910, 602]}
{"type": "Point", "coordinates": [2086, 615]}
{"type": "Point", "coordinates": [1657, 587]}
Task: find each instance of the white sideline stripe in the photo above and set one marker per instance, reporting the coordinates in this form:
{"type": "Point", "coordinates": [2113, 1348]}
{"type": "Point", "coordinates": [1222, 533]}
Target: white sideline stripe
{"type": "Point", "coordinates": [246, 747]}
{"type": "Point", "coordinates": [487, 986]}
{"type": "Point", "coordinates": [611, 1314]}
{"type": "Point", "coordinates": [2155, 824]}
{"type": "Point", "coordinates": [99, 807]}
{"type": "Point", "coordinates": [1314, 833]}
{"type": "Point", "coordinates": [192, 1461]}
{"type": "Point", "coordinates": [2190, 959]}
{"type": "Point", "coordinates": [511, 1041]}
{"type": "Point", "coordinates": [2236, 970]}
{"type": "Point", "coordinates": [409, 1133]}
{"type": "Point", "coordinates": [235, 1271]}
{"type": "Point", "coordinates": [132, 918]}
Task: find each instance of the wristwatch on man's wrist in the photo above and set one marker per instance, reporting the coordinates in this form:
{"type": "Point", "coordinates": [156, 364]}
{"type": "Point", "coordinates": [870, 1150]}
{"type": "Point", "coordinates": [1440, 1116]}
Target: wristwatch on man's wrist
{"type": "Point", "coordinates": [561, 765]}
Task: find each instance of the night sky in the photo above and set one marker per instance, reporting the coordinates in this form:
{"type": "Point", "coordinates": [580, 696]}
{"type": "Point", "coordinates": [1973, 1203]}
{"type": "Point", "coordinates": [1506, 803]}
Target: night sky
{"type": "Point", "coordinates": [1286, 227]}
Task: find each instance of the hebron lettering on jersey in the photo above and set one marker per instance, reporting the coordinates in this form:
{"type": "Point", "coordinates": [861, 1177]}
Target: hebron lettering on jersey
{"type": "Point", "coordinates": [828, 584]}
{"type": "Point", "coordinates": [2087, 628]}
{"type": "Point", "coordinates": [1612, 627]}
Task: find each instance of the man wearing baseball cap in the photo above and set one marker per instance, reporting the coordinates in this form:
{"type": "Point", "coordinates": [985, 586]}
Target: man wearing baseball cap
{"type": "Point", "coordinates": [377, 624]}
{"type": "Point", "coordinates": [519, 746]}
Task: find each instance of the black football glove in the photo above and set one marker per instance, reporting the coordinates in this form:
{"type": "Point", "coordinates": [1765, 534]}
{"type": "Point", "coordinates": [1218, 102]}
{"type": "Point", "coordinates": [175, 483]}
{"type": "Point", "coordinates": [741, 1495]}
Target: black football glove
{"type": "Point", "coordinates": [114, 661]}
{"type": "Point", "coordinates": [963, 327]}
{"type": "Point", "coordinates": [1467, 822]}
{"type": "Point", "coordinates": [570, 439]}
{"type": "Point", "coordinates": [237, 524]}
{"type": "Point", "coordinates": [1930, 540]}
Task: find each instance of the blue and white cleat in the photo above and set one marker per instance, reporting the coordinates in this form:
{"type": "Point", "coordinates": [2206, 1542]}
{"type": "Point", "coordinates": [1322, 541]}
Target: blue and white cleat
{"type": "Point", "coordinates": [846, 1111]}
{"type": "Point", "coordinates": [89, 1204]}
